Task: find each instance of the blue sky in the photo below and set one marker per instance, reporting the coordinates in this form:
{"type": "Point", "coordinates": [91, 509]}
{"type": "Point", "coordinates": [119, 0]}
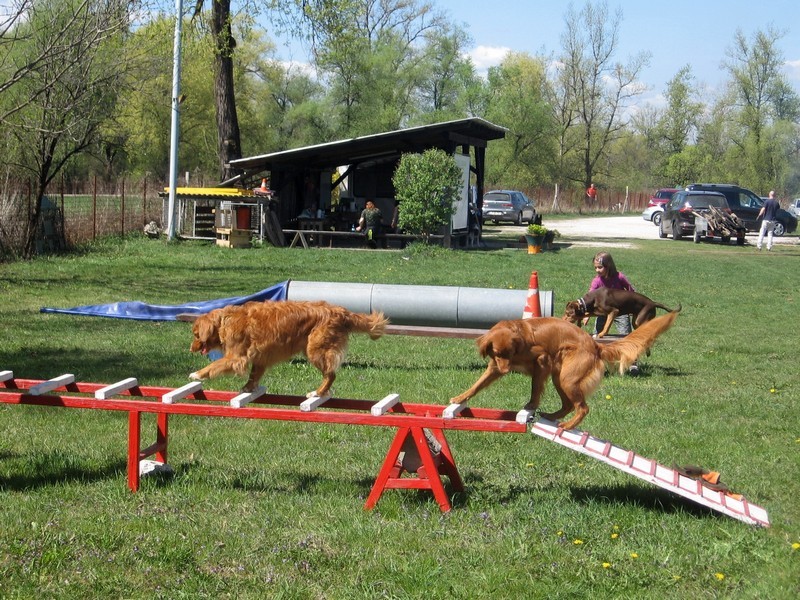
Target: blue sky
{"type": "Point", "coordinates": [676, 32]}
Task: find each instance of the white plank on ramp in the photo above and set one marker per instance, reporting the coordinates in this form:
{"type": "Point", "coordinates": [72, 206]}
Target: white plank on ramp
{"type": "Point", "coordinates": [246, 398]}
{"type": "Point", "coordinates": [383, 406]}
{"type": "Point", "coordinates": [649, 470]}
{"type": "Point", "coordinates": [52, 384]}
{"type": "Point", "coordinates": [312, 403]}
{"type": "Point", "coordinates": [115, 388]}
{"type": "Point", "coordinates": [182, 392]}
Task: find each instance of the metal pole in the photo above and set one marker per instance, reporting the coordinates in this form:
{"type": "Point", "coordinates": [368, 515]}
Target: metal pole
{"type": "Point", "coordinates": [176, 92]}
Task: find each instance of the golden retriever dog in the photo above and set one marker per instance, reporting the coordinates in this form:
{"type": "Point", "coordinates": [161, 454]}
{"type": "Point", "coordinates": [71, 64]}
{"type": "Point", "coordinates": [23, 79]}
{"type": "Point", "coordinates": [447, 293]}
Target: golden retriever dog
{"type": "Point", "coordinates": [263, 334]}
{"type": "Point", "coordinates": [551, 347]}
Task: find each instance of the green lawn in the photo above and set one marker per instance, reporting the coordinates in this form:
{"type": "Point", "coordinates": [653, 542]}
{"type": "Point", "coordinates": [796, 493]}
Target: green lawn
{"type": "Point", "coordinates": [273, 509]}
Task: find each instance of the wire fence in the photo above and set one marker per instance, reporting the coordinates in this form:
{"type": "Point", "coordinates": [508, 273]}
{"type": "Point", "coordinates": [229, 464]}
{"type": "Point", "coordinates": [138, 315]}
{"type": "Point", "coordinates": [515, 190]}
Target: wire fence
{"type": "Point", "coordinates": [75, 212]}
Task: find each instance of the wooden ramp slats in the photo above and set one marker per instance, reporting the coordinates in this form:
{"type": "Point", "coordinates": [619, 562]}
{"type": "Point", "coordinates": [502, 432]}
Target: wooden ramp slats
{"type": "Point", "coordinates": [52, 384]}
{"type": "Point", "coordinates": [313, 403]}
{"type": "Point", "coordinates": [182, 392]}
{"type": "Point", "coordinates": [6, 375]}
{"type": "Point", "coordinates": [246, 398]}
{"type": "Point", "coordinates": [651, 471]}
{"type": "Point", "coordinates": [382, 407]}
{"type": "Point", "coordinates": [116, 388]}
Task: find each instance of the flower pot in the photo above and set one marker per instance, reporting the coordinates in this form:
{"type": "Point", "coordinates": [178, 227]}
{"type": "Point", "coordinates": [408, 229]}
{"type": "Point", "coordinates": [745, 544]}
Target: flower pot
{"type": "Point", "coordinates": [535, 243]}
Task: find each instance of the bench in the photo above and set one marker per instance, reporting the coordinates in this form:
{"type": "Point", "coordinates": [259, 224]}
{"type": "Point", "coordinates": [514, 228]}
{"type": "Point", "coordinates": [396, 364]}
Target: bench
{"type": "Point", "coordinates": [306, 237]}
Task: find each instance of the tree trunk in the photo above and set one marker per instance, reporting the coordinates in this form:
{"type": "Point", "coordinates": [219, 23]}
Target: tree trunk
{"type": "Point", "coordinates": [229, 142]}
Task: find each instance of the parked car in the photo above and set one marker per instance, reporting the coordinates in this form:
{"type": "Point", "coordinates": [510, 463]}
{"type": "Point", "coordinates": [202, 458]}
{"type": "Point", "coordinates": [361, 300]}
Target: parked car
{"type": "Point", "coordinates": [508, 205]}
{"type": "Point", "coordinates": [794, 207]}
{"type": "Point", "coordinates": [678, 217]}
{"type": "Point", "coordinates": [656, 205]}
{"type": "Point", "coordinates": [746, 205]}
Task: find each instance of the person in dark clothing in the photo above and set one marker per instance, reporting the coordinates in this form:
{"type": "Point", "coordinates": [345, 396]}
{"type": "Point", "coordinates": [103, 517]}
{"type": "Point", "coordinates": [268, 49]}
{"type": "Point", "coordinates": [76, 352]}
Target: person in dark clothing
{"type": "Point", "coordinates": [769, 211]}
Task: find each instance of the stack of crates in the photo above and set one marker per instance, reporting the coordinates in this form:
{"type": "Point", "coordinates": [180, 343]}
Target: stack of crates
{"type": "Point", "coordinates": [232, 225]}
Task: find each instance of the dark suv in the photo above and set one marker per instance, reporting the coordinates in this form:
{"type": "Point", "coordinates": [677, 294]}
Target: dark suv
{"type": "Point", "coordinates": [746, 205]}
{"type": "Point", "coordinates": [678, 217]}
{"type": "Point", "coordinates": [508, 205]}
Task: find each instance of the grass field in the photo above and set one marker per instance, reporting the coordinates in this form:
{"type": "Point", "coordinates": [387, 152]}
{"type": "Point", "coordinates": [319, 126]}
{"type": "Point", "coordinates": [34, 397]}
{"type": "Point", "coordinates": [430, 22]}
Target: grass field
{"type": "Point", "coordinates": [275, 510]}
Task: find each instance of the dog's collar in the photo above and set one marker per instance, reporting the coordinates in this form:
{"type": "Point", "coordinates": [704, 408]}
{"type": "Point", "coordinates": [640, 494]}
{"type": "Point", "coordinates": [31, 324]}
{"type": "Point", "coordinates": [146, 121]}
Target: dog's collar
{"type": "Point", "coordinates": [581, 304]}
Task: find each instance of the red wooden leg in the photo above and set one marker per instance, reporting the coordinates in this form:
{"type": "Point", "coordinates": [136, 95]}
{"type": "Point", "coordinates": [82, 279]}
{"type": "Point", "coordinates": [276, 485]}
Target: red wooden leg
{"type": "Point", "coordinates": [389, 464]}
{"type": "Point", "coordinates": [161, 437]}
{"type": "Point", "coordinates": [448, 464]}
{"type": "Point", "coordinates": [134, 438]}
{"type": "Point", "coordinates": [431, 472]}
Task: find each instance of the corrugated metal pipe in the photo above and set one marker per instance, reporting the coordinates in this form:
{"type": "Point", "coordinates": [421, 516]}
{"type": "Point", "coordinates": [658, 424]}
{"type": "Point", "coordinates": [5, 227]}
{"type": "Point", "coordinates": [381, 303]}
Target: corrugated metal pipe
{"type": "Point", "coordinates": [424, 305]}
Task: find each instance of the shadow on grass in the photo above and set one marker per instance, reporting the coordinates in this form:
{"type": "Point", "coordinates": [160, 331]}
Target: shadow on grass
{"type": "Point", "coordinates": [56, 468]}
{"type": "Point", "coordinates": [654, 500]}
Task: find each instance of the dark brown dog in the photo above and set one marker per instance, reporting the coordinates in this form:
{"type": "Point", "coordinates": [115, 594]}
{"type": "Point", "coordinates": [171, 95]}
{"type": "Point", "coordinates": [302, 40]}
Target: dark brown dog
{"type": "Point", "coordinates": [611, 303]}
{"type": "Point", "coordinates": [263, 334]}
{"type": "Point", "coordinates": [549, 346]}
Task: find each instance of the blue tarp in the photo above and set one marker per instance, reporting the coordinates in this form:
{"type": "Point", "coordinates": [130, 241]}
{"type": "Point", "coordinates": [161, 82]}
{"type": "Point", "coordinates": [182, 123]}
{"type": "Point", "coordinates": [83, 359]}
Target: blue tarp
{"type": "Point", "coordinates": [154, 312]}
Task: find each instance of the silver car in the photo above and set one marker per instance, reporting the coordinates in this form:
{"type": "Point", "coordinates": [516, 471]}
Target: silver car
{"type": "Point", "coordinates": [509, 206]}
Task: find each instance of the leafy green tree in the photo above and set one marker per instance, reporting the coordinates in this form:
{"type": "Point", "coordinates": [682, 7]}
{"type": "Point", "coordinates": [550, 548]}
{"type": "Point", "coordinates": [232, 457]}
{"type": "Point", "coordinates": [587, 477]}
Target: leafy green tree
{"type": "Point", "coordinates": [368, 53]}
{"type": "Point", "coordinates": [56, 110]}
{"type": "Point", "coordinates": [427, 185]}
{"type": "Point", "coordinates": [762, 98]}
{"type": "Point", "coordinates": [447, 78]}
{"type": "Point", "coordinates": [516, 92]}
{"type": "Point", "coordinates": [599, 88]}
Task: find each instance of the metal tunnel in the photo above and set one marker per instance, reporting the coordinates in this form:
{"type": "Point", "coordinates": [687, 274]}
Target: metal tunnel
{"type": "Point", "coordinates": [424, 305]}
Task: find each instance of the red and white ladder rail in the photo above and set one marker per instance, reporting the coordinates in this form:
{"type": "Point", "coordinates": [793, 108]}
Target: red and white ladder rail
{"type": "Point", "coordinates": [649, 470]}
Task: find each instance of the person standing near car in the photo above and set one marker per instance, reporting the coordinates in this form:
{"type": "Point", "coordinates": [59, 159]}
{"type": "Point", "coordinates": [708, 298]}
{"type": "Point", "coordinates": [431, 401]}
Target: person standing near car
{"type": "Point", "coordinates": [769, 211]}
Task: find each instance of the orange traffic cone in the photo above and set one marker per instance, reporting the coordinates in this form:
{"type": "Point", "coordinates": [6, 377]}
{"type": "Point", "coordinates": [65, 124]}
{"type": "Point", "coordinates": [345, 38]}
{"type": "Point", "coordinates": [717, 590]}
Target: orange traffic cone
{"type": "Point", "coordinates": [264, 185]}
{"type": "Point", "coordinates": [532, 306]}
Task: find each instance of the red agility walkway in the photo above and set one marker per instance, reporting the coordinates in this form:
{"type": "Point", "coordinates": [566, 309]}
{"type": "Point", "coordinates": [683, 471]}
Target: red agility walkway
{"type": "Point", "coordinates": [418, 457]}
{"type": "Point", "coordinates": [423, 469]}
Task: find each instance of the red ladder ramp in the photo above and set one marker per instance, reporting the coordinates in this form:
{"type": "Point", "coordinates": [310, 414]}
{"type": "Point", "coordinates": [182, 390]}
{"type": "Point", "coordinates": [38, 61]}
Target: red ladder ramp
{"type": "Point", "coordinates": [649, 470]}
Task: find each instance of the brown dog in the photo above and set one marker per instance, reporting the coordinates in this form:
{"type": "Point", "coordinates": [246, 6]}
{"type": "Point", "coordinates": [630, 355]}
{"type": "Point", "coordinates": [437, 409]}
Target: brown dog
{"type": "Point", "coordinates": [611, 303]}
{"type": "Point", "coordinates": [551, 347]}
{"type": "Point", "coordinates": [263, 334]}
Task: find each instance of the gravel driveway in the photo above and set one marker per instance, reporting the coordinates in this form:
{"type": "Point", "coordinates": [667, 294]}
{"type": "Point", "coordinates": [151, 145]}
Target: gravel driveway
{"type": "Point", "coordinates": [581, 230]}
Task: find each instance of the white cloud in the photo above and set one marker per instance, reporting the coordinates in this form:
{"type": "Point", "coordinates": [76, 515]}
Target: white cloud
{"type": "Point", "coordinates": [484, 57]}
{"type": "Point", "coordinates": [793, 69]}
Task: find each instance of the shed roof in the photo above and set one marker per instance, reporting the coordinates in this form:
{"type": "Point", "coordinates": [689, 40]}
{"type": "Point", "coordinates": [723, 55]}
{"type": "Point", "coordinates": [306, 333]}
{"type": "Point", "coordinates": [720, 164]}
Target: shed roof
{"type": "Point", "coordinates": [446, 136]}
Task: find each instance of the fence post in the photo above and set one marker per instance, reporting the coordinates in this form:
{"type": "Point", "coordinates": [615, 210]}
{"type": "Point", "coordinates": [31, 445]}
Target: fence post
{"type": "Point", "coordinates": [123, 207]}
{"type": "Point", "coordinates": [94, 208]}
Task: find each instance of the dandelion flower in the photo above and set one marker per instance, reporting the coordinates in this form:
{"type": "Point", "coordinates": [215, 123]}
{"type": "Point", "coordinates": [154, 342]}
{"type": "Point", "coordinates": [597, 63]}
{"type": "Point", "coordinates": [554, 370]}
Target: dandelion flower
{"type": "Point", "coordinates": [634, 555]}
{"type": "Point", "coordinates": [559, 533]}
{"type": "Point", "coordinates": [771, 390]}
{"type": "Point", "coordinates": [577, 542]}
{"type": "Point", "coordinates": [719, 576]}
{"type": "Point", "coordinates": [614, 536]}
{"type": "Point", "coordinates": [606, 565]}
{"type": "Point", "coordinates": [796, 546]}
{"type": "Point", "coordinates": [608, 396]}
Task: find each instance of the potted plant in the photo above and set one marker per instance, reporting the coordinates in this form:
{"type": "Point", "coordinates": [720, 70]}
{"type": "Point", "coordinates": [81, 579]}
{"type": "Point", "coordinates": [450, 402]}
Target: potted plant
{"type": "Point", "coordinates": [535, 236]}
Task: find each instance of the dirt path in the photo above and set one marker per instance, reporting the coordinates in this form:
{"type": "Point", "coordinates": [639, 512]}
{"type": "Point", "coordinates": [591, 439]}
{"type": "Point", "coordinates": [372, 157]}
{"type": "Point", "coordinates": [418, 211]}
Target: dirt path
{"type": "Point", "coordinates": [582, 230]}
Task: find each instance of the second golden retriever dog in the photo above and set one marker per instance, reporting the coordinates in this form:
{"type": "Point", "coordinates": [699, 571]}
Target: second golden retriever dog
{"type": "Point", "coordinates": [551, 347]}
{"type": "Point", "coordinates": [263, 334]}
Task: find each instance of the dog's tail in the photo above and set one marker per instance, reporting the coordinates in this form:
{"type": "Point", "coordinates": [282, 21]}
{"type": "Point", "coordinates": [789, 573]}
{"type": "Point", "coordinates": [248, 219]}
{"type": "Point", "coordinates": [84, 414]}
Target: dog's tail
{"type": "Point", "coordinates": [374, 324]}
{"type": "Point", "coordinates": [628, 349]}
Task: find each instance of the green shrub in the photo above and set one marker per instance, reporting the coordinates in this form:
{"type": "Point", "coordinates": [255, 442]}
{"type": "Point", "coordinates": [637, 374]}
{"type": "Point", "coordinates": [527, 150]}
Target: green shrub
{"type": "Point", "coordinates": [427, 186]}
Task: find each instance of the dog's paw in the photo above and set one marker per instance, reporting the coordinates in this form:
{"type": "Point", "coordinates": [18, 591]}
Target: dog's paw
{"type": "Point", "coordinates": [195, 376]}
